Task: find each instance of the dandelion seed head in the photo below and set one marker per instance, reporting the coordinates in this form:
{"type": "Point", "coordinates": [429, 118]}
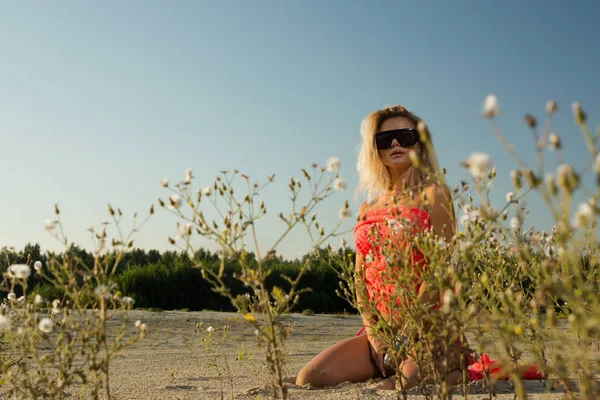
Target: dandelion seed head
{"type": "Point", "coordinates": [164, 182]}
{"type": "Point", "coordinates": [210, 329]}
{"type": "Point", "coordinates": [551, 107]}
{"type": "Point", "coordinates": [38, 299]}
{"type": "Point", "coordinates": [490, 106]}
{"type": "Point", "coordinates": [515, 223]}
{"type": "Point", "coordinates": [19, 271]}
{"type": "Point", "coordinates": [50, 225]}
{"type": "Point", "coordinates": [127, 300]}
{"type": "Point", "coordinates": [37, 265]}
{"type": "Point", "coordinates": [339, 184]}
{"type": "Point", "coordinates": [175, 202]}
{"type": "Point", "coordinates": [479, 164]}
{"type": "Point", "coordinates": [345, 213]}
{"type": "Point", "coordinates": [45, 325]}
{"type": "Point", "coordinates": [333, 164]}
{"type": "Point", "coordinates": [553, 141]}
{"type": "Point", "coordinates": [102, 291]}
{"type": "Point", "coordinates": [583, 216]}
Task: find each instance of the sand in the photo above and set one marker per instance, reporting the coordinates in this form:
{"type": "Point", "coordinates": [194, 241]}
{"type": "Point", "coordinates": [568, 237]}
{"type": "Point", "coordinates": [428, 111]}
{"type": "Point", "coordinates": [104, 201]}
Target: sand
{"type": "Point", "coordinates": [170, 364]}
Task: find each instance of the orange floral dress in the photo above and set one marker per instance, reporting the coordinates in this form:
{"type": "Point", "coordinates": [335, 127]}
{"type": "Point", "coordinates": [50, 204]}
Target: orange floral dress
{"type": "Point", "coordinates": [381, 238]}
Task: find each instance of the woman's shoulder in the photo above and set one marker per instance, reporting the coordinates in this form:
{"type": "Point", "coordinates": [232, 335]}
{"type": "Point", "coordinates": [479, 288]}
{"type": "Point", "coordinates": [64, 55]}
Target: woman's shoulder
{"type": "Point", "coordinates": [436, 192]}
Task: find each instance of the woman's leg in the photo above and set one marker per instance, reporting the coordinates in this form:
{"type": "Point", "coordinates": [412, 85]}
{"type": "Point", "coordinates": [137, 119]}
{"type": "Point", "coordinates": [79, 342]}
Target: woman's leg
{"type": "Point", "coordinates": [349, 360]}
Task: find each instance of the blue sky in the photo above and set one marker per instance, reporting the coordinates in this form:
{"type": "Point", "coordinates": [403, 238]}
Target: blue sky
{"type": "Point", "coordinates": [98, 101]}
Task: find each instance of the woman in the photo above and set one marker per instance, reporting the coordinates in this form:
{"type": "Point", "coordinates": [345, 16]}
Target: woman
{"type": "Point", "coordinates": [385, 167]}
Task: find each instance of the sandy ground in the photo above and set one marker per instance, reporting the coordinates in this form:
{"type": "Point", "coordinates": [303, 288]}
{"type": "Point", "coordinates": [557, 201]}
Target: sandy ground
{"type": "Point", "coordinates": [171, 363]}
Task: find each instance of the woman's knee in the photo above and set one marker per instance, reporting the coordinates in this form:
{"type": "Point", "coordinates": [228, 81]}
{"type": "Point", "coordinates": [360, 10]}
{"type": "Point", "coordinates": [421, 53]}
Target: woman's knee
{"type": "Point", "coordinates": [311, 375]}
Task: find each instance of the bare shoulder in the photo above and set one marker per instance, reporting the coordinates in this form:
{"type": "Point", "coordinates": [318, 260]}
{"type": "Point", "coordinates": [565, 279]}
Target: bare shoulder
{"type": "Point", "coordinates": [367, 205]}
{"type": "Point", "coordinates": [362, 209]}
{"type": "Point", "coordinates": [437, 194]}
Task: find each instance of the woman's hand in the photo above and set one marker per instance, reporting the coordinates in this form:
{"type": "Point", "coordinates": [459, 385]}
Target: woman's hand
{"type": "Point", "coordinates": [378, 351]}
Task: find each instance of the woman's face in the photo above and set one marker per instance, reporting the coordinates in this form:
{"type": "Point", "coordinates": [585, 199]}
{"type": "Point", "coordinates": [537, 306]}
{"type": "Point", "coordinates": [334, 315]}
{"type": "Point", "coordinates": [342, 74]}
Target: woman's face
{"type": "Point", "coordinates": [396, 157]}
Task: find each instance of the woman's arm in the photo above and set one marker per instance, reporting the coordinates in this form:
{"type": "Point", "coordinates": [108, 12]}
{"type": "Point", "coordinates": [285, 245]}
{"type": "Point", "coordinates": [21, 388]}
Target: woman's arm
{"type": "Point", "coordinates": [441, 211]}
{"type": "Point", "coordinates": [443, 224]}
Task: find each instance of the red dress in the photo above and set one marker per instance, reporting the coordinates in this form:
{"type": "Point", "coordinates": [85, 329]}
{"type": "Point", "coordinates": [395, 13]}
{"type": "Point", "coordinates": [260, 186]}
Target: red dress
{"type": "Point", "coordinates": [380, 237]}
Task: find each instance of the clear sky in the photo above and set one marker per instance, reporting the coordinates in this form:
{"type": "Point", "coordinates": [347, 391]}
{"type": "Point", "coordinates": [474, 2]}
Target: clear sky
{"type": "Point", "coordinates": [99, 100]}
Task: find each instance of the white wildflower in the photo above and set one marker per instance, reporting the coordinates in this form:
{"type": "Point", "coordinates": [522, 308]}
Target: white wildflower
{"type": "Point", "coordinates": [553, 141]}
{"type": "Point", "coordinates": [45, 325]}
{"type": "Point", "coordinates": [164, 182]}
{"type": "Point", "coordinates": [206, 191]}
{"type": "Point", "coordinates": [21, 299]}
{"type": "Point", "coordinates": [188, 176]}
{"type": "Point", "coordinates": [465, 219]}
{"type": "Point", "coordinates": [442, 244]}
{"type": "Point", "coordinates": [583, 216]}
{"type": "Point", "coordinates": [102, 291]}
{"type": "Point", "coordinates": [50, 225]}
{"type": "Point", "coordinates": [551, 107]}
{"type": "Point", "coordinates": [333, 164]}
{"type": "Point", "coordinates": [256, 332]}
{"type": "Point", "coordinates": [128, 301]}
{"type": "Point", "coordinates": [37, 265]}
{"type": "Point", "coordinates": [339, 184]}
{"type": "Point", "coordinates": [210, 329]}
{"type": "Point", "coordinates": [515, 223]}
{"type": "Point", "coordinates": [55, 306]}
{"type": "Point", "coordinates": [490, 107]}
{"type": "Point", "coordinates": [479, 164]}
{"type": "Point", "coordinates": [38, 299]}
{"type": "Point", "coordinates": [510, 196]}
{"type": "Point", "coordinates": [19, 271]}
{"type": "Point", "coordinates": [550, 251]}
{"type": "Point", "coordinates": [4, 323]}
{"type": "Point", "coordinates": [143, 327]}
{"type": "Point", "coordinates": [183, 231]}
{"type": "Point", "coordinates": [345, 213]}
{"type": "Point", "coordinates": [138, 323]}
{"type": "Point", "coordinates": [464, 245]}
{"type": "Point", "coordinates": [175, 202]}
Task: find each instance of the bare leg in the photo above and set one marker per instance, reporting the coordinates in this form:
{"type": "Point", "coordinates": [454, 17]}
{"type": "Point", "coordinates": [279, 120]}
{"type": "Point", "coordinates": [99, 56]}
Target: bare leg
{"type": "Point", "coordinates": [349, 360]}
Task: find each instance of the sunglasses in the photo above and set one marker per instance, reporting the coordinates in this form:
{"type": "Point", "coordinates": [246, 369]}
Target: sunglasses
{"type": "Point", "coordinates": [406, 138]}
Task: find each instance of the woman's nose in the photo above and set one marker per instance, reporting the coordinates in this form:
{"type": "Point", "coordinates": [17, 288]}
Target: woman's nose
{"type": "Point", "coordinates": [395, 142]}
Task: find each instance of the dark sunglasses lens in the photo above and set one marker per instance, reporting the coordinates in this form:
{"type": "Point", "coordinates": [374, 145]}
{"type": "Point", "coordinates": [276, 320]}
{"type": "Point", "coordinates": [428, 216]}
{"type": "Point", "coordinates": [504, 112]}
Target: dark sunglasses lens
{"type": "Point", "coordinates": [384, 140]}
{"type": "Point", "coordinates": [405, 137]}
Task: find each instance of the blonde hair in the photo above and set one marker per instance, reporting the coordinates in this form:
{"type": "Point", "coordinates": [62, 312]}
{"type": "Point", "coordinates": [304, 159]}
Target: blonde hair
{"type": "Point", "coordinates": [374, 176]}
